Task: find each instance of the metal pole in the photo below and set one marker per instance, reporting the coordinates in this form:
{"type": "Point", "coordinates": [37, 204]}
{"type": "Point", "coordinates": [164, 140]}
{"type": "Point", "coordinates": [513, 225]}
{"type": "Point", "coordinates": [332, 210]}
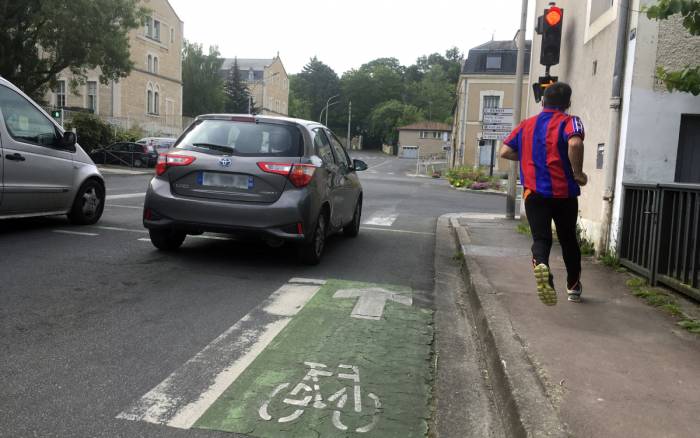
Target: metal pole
{"type": "Point", "coordinates": [349, 119]}
{"type": "Point", "coordinates": [517, 104]}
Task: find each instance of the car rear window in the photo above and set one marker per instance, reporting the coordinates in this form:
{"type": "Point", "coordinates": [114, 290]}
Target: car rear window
{"type": "Point", "coordinates": [225, 137]}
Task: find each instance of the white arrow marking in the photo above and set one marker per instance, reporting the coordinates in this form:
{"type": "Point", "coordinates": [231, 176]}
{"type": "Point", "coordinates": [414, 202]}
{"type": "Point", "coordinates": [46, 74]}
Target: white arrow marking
{"type": "Point", "coordinates": [371, 301]}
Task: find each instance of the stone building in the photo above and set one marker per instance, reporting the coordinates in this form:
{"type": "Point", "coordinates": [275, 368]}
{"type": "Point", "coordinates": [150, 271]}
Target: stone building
{"type": "Point", "coordinates": [429, 137]}
{"type": "Point", "coordinates": [151, 96]}
{"type": "Point", "coordinates": [267, 81]}
{"type": "Point", "coordinates": [487, 80]}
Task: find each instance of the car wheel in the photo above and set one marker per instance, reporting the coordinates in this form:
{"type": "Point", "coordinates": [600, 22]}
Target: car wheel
{"type": "Point", "coordinates": [138, 162]}
{"type": "Point", "coordinates": [310, 252]}
{"type": "Point", "coordinates": [89, 204]}
{"type": "Point", "coordinates": [353, 228]}
{"type": "Point", "coordinates": [166, 239]}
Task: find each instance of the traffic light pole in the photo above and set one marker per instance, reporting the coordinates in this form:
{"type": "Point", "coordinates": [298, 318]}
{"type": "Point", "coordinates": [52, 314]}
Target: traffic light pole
{"type": "Point", "coordinates": [517, 104]}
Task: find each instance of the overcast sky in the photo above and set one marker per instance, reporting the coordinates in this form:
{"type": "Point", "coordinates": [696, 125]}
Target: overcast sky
{"type": "Point", "coordinates": [347, 33]}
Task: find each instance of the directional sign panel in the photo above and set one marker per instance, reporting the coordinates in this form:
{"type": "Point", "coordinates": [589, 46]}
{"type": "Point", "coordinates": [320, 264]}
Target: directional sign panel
{"type": "Point", "coordinates": [497, 123]}
{"type": "Point", "coordinates": [494, 135]}
{"type": "Point", "coordinates": [502, 111]}
{"type": "Point", "coordinates": [504, 119]}
{"type": "Point", "coordinates": [504, 127]}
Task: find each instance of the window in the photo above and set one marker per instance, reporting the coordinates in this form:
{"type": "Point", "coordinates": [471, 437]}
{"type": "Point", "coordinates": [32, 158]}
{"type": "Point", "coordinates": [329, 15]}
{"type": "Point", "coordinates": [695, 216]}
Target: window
{"type": "Point", "coordinates": [340, 156]}
{"type": "Point", "coordinates": [323, 147]}
{"type": "Point", "coordinates": [598, 8]}
{"type": "Point", "coordinates": [156, 102]}
{"type": "Point", "coordinates": [25, 122]}
{"type": "Point", "coordinates": [172, 35]}
{"type": "Point", "coordinates": [150, 64]}
{"type": "Point", "coordinates": [149, 27]}
{"type": "Point", "coordinates": [149, 101]}
{"type": "Point", "coordinates": [156, 30]}
{"type": "Point", "coordinates": [152, 28]}
{"type": "Point", "coordinates": [155, 64]}
{"type": "Point", "coordinates": [61, 94]}
{"type": "Point", "coordinates": [493, 62]}
{"type": "Point", "coordinates": [92, 95]}
{"type": "Point", "coordinates": [491, 101]}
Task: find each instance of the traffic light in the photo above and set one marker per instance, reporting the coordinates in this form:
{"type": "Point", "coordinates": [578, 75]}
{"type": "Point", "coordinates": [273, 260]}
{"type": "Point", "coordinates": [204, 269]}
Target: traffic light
{"type": "Point", "coordinates": [56, 114]}
{"type": "Point", "coordinates": [549, 26]}
{"type": "Point", "coordinates": [541, 85]}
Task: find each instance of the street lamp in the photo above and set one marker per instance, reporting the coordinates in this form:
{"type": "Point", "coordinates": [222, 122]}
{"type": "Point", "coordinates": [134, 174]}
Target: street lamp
{"type": "Point", "coordinates": [320, 116]}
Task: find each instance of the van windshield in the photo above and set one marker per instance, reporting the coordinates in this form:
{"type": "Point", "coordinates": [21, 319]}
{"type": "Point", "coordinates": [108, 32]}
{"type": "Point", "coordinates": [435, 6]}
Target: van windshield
{"type": "Point", "coordinates": [225, 137]}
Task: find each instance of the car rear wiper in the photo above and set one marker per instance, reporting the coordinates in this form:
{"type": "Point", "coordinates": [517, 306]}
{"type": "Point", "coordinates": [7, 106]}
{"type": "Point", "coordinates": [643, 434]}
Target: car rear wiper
{"type": "Point", "coordinates": [214, 147]}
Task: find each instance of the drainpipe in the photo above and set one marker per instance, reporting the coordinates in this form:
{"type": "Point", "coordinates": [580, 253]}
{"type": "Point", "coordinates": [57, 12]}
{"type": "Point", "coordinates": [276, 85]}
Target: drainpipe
{"type": "Point", "coordinates": [614, 127]}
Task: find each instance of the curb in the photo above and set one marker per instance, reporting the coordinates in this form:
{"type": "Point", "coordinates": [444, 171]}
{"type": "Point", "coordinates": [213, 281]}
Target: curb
{"type": "Point", "coordinates": [520, 394]}
{"type": "Point", "coordinates": [486, 191]}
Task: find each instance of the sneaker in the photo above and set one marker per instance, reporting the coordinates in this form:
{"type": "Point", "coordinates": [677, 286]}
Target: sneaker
{"type": "Point", "coordinates": [575, 292]}
{"type": "Point", "coordinates": [545, 285]}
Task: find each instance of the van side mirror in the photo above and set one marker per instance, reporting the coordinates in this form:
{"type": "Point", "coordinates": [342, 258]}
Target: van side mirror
{"type": "Point", "coordinates": [68, 141]}
{"type": "Point", "coordinates": [359, 165]}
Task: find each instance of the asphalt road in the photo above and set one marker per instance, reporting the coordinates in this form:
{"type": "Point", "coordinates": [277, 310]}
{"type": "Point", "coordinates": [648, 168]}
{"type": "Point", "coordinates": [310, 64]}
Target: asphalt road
{"type": "Point", "coordinates": [90, 322]}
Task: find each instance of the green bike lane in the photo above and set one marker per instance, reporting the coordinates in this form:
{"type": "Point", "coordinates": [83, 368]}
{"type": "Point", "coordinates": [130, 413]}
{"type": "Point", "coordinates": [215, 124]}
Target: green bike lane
{"type": "Point", "coordinates": [349, 359]}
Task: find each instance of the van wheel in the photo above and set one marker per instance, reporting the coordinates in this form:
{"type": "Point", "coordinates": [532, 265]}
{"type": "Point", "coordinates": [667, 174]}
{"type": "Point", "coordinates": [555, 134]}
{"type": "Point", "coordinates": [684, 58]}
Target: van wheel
{"type": "Point", "coordinates": [353, 228]}
{"type": "Point", "coordinates": [166, 239]}
{"type": "Point", "coordinates": [89, 204]}
{"type": "Point", "coordinates": [310, 252]}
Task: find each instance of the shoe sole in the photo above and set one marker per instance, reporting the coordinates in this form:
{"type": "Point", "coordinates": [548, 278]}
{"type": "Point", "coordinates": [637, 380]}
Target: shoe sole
{"type": "Point", "coordinates": [547, 294]}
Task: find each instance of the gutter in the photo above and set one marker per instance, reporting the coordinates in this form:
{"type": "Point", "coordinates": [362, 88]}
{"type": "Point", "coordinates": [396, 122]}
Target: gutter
{"type": "Point", "coordinates": [613, 144]}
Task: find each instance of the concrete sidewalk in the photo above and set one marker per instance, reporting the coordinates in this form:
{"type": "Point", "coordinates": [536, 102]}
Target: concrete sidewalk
{"type": "Point", "coordinates": [611, 366]}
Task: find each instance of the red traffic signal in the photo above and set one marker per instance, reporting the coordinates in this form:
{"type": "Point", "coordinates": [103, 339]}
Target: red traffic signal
{"type": "Point", "coordinates": [553, 16]}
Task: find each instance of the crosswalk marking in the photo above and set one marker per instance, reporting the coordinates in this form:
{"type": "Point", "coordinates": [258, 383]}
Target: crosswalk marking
{"type": "Point", "coordinates": [381, 219]}
{"type": "Point", "coordinates": [125, 196]}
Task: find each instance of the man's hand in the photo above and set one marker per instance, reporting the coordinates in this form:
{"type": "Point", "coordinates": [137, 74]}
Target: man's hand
{"type": "Point", "coordinates": [508, 153]}
{"type": "Point", "coordinates": [581, 179]}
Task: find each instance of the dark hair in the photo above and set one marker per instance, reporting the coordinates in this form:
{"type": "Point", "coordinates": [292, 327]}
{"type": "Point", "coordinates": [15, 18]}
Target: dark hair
{"type": "Point", "coordinates": [558, 95]}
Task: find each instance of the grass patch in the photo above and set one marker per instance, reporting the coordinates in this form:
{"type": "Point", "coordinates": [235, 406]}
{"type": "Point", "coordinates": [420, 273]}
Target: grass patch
{"type": "Point", "coordinates": [523, 229]}
{"type": "Point", "coordinates": [586, 244]}
{"type": "Point", "coordinates": [664, 301]}
{"type": "Point", "coordinates": [458, 257]}
{"type": "Point", "coordinates": [610, 259]}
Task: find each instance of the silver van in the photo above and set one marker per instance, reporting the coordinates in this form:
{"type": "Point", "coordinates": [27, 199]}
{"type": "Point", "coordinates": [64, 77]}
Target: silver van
{"type": "Point", "coordinates": [43, 171]}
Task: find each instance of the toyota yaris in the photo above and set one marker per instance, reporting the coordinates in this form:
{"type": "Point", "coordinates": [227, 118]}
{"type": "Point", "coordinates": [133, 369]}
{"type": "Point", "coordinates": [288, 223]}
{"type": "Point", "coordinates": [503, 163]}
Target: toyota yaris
{"type": "Point", "coordinates": [276, 178]}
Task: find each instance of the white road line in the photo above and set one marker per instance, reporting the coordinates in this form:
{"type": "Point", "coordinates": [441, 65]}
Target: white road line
{"type": "Point", "coordinates": [135, 207]}
{"type": "Point", "coordinates": [75, 233]}
{"type": "Point", "coordinates": [144, 239]}
{"type": "Point", "coordinates": [381, 219]}
{"type": "Point", "coordinates": [205, 237]}
{"type": "Point", "coordinates": [391, 230]}
{"type": "Point", "coordinates": [182, 398]}
{"type": "Point", "coordinates": [130, 230]}
{"type": "Point", "coordinates": [126, 195]}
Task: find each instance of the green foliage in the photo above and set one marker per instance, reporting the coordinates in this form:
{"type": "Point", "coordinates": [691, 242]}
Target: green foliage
{"type": "Point", "coordinates": [688, 79]}
{"type": "Point", "coordinates": [310, 90]}
{"type": "Point", "coordinates": [610, 259]}
{"type": "Point", "coordinates": [388, 116]}
{"type": "Point", "coordinates": [238, 98]}
{"type": "Point", "coordinates": [524, 229]}
{"type": "Point", "coordinates": [202, 87]}
{"type": "Point", "coordinates": [584, 242]}
{"type": "Point", "coordinates": [665, 301]}
{"type": "Point", "coordinates": [689, 9]}
{"type": "Point", "coordinates": [132, 135]}
{"type": "Point", "coordinates": [468, 177]}
{"type": "Point", "coordinates": [39, 39]}
{"type": "Point", "coordinates": [692, 325]}
{"type": "Point", "coordinates": [91, 130]}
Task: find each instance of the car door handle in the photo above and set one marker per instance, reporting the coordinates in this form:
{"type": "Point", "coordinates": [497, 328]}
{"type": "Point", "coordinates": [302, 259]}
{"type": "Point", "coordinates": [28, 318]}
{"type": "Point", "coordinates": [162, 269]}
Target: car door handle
{"type": "Point", "coordinates": [15, 157]}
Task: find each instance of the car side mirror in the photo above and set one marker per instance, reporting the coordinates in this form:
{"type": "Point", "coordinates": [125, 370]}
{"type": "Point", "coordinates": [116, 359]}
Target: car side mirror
{"type": "Point", "coordinates": [69, 140]}
{"type": "Point", "coordinates": [359, 165]}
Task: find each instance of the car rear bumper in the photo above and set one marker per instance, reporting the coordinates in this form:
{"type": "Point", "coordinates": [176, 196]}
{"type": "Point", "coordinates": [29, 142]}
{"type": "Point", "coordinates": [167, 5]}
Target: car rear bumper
{"type": "Point", "coordinates": [280, 219]}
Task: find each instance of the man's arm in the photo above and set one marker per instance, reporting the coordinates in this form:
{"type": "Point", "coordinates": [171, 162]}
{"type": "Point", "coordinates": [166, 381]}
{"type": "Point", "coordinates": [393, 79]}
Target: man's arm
{"type": "Point", "coordinates": [576, 160]}
{"type": "Point", "coordinates": [508, 153]}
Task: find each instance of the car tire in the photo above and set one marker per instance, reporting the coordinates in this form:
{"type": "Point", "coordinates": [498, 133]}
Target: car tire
{"type": "Point", "coordinates": [353, 228]}
{"type": "Point", "coordinates": [138, 162]}
{"type": "Point", "coordinates": [89, 203]}
{"type": "Point", "coordinates": [310, 252]}
{"type": "Point", "coordinates": [166, 239]}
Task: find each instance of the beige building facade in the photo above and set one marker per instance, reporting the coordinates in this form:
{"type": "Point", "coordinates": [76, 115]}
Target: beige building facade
{"type": "Point", "coordinates": [429, 137]}
{"type": "Point", "coordinates": [487, 81]}
{"type": "Point", "coordinates": [645, 147]}
{"type": "Point", "coordinates": [151, 96]}
{"type": "Point", "coordinates": [267, 82]}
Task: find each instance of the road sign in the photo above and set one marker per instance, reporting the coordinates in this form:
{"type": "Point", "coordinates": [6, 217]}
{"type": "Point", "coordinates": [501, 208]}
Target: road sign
{"type": "Point", "coordinates": [494, 135]}
{"type": "Point", "coordinates": [500, 119]}
{"type": "Point", "coordinates": [500, 127]}
{"type": "Point", "coordinates": [497, 123]}
{"type": "Point", "coordinates": [502, 111]}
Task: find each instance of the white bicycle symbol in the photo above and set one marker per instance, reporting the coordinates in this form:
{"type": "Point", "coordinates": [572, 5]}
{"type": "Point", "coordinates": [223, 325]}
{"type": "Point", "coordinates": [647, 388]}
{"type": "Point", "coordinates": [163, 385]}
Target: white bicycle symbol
{"type": "Point", "coordinates": [339, 398]}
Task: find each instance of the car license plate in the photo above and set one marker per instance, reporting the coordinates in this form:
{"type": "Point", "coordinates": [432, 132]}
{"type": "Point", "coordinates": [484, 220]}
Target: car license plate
{"type": "Point", "coordinates": [213, 179]}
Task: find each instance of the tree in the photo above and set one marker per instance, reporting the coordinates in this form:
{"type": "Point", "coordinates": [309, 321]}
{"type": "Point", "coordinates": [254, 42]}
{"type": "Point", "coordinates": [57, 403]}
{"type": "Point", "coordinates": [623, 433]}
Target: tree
{"type": "Point", "coordinates": [39, 39]}
{"type": "Point", "coordinates": [687, 79]}
{"type": "Point", "coordinates": [311, 89]}
{"type": "Point", "coordinates": [202, 86]}
{"type": "Point", "coordinates": [237, 95]}
{"type": "Point", "coordinates": [390, 115]}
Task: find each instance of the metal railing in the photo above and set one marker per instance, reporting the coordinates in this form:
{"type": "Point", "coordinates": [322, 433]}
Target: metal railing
{"type": "Point", "coordinates": [660, 236]}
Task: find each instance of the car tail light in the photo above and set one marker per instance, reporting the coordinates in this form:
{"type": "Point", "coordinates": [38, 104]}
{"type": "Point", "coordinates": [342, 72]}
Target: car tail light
{"type": "Point", "coordinates": [171, 160]}
{"type": "Point", "coordinates": [299, 174]}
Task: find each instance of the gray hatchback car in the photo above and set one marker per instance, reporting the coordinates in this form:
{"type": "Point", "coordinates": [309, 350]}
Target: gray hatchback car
{"type": "Point", "coordinates": [277, 178]}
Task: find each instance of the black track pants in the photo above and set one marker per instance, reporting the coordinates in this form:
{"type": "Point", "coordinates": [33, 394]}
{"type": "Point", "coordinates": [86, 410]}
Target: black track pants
{"type": "Point", "coordinates": [564, 211]}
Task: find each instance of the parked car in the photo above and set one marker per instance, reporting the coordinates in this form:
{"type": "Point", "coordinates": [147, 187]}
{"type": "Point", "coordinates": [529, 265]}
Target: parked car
{"type": "Point", "coordinates": [277, 178]}
{"type": "Point", "coordinates": [126, 154]}
{"type": "Point", "coordinates": [43, 171]}
{"type": "Point", "coordinates": [161, 144]}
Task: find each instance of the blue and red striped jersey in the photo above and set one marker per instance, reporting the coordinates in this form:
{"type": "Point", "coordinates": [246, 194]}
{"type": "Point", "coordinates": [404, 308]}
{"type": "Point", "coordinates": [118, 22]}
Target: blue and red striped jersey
{"type": "Point", "coordinates": [542, 143]}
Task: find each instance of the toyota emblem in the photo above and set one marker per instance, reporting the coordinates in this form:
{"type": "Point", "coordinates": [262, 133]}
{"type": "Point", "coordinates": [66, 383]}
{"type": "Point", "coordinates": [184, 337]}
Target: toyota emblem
{"type": "Point", "coordinates": [225, 162]}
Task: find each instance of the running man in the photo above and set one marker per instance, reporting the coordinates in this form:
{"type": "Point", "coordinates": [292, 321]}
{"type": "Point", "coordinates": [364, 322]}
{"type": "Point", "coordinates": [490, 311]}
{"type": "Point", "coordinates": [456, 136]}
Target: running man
{"type": "Point", "coordinates": [549, 147]}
